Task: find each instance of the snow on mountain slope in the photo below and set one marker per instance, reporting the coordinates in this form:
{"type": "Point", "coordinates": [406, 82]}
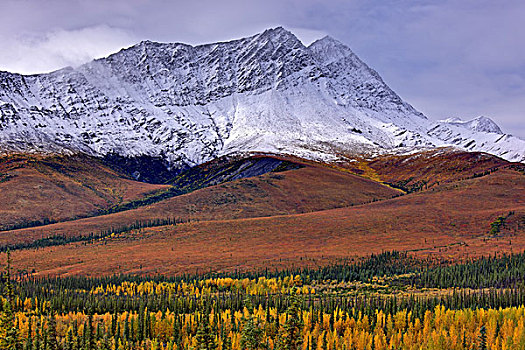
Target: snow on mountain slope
{"type": "Point", "coordinates": [265, 93]}
{"type": "Point", "coordinates": [479, 134]}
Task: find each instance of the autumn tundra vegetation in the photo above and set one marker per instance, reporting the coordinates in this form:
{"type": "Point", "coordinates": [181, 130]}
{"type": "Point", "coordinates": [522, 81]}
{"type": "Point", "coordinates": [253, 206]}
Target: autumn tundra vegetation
{"type": "Point", "coordinates": [384, 254]}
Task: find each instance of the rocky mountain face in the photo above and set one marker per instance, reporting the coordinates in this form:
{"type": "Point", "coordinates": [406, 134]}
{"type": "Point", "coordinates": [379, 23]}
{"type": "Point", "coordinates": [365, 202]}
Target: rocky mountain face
{"type": "Point", "coordinates": [190, 104]}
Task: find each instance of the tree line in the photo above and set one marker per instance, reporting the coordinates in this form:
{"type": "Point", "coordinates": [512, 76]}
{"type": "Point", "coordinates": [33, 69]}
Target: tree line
{"type": "Point", "coordinates": [56, 240]}
{"type": "Point", "coordinates": [283, 311]}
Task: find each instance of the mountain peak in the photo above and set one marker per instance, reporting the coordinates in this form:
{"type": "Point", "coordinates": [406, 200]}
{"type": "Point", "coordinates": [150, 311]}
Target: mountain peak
{"type": "Point", "coordinates": [329, 50]}
{"type": "Point", "coordinates": [328, 40]}
{"type": "Point", "coordinates": [277, 31]}
{"type": "Point", "coordinates": [189, 104]}
{"type": "Point", "coordinates": [478, 124]}
{"type": "Point", "coordinates": [279, 35]}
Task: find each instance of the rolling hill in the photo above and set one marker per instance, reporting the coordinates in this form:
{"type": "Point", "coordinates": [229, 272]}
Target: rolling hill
{"type": "Point", "coordinates": [311, 187]}
{"type": "Point", "coordinates": [54, 188]}
{"type": "Point", "coordinates": [306, 216]}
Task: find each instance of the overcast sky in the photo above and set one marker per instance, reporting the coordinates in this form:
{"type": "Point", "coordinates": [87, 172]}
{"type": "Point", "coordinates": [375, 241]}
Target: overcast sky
{"type": "Point", "coordinates": [447, 58]}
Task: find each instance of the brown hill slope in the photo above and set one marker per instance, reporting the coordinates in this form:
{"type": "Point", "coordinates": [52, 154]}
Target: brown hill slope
{"type": "Point", "coordinates": [307, 189]}
{"type": "Point", "coordinates": [414, 172]}
{"type": "Point", "coordinates": [450, 220]}
{"type": "Point", "coordinates": [58, 187]}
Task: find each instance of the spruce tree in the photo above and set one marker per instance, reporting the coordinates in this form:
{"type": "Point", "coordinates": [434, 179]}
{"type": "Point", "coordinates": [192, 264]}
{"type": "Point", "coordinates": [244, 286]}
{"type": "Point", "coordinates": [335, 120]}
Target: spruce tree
{"type": "Point", "coordinates": [8, 330]}
{"type": "Point", "coordinates": [227, 343]}
{"type": "Point", "coordinates": [482, 338]}
{"type": "Point", "coordinates": [43, 343]}
{"type": "Point", "coordinates": [251, 336]}
{"type": "Point", "coordinates": [176, 329]}
{"type": "Point", "coordinates": [29, 341]}
{"type": "Point", "coordinates": [99, 332]}
{"type": "Point", "coordinates": [290, 337]}
{"type": "Point", "coordinates": [140, 328]}
{"type": "Point", "coordinates": [76, 339]}
{"type": "Point", "coordinates": [52, 334]}
{"type": "Point", "coordinates": [36, 342]}
{"type": "Point", "coordinates": [89, 334]}
{"type": "Point", "coordinates": [69, 339]}
{"type": "Point", "coordinates": [126, 328]}
{"type": "Point", "coordinates": [205, 338]}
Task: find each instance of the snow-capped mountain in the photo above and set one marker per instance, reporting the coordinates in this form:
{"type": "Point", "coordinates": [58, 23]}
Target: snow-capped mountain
{"type": "Point", "coordinates": [265, 93]}
{"type": "Point", "coordinates": [479, 134]}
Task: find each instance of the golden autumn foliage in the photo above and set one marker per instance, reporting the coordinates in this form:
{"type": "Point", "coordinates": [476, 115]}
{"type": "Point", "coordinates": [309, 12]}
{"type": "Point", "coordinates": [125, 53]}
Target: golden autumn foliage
{"type": "Point", "coordinates": [439, 329]}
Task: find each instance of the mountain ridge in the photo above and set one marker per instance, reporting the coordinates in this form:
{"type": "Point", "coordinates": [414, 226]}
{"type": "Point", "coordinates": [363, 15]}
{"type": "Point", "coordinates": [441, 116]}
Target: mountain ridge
{"type": "Point", "coordinates": [190, 104]}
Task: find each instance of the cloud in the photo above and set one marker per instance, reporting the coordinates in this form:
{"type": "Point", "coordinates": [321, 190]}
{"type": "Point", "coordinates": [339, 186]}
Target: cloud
{"type": "Point", "coordinates": [37, 53]}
